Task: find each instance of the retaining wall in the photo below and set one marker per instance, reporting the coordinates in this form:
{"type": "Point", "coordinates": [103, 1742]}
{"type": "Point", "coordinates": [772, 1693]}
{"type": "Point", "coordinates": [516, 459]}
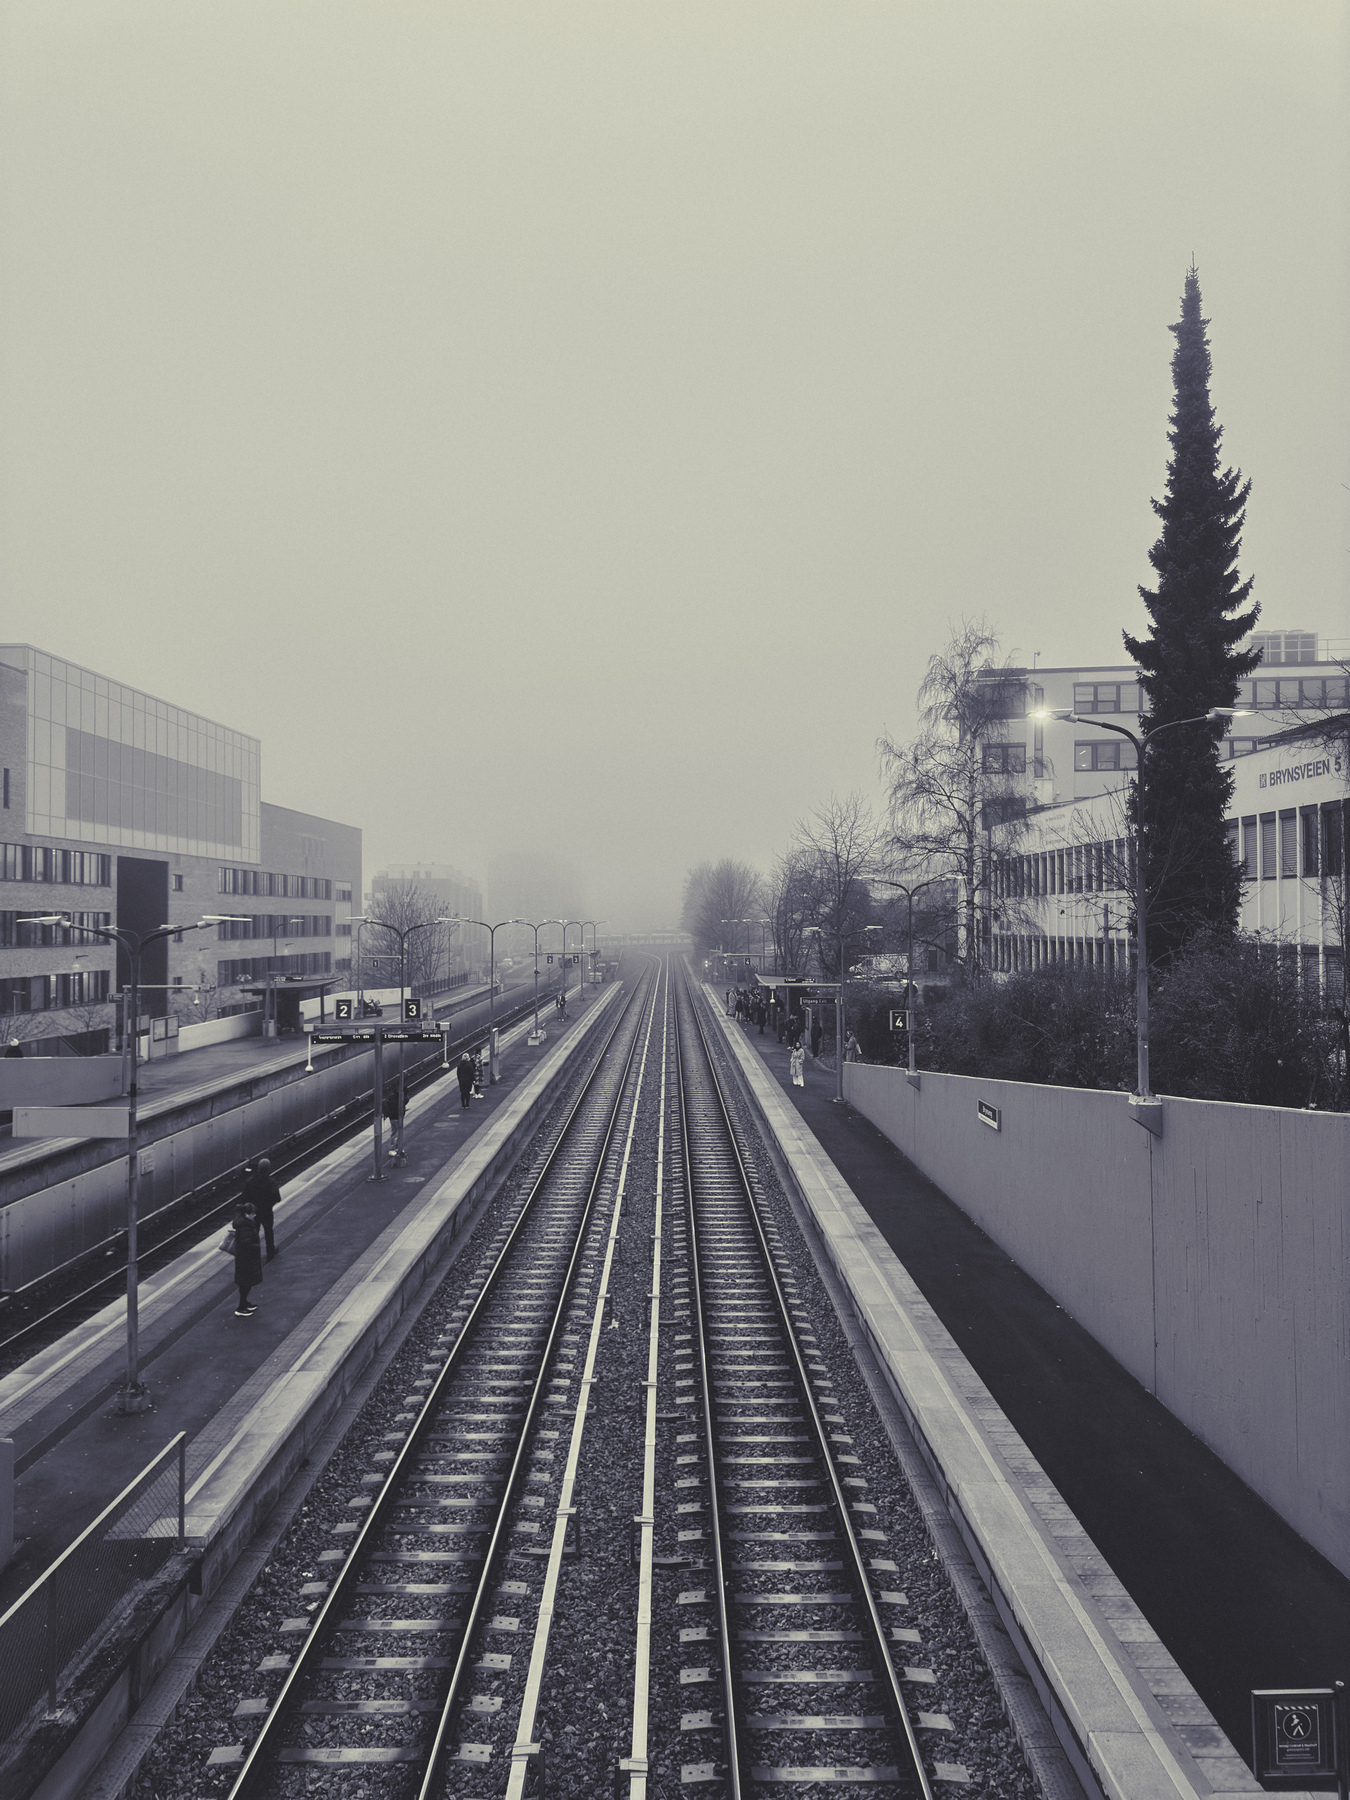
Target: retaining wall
{"type": "Point", "coordinates": [1211, 1261]}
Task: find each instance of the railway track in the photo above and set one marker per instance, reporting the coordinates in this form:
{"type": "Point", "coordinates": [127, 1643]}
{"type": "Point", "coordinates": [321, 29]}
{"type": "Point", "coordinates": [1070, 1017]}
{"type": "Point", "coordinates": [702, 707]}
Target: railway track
{"type": "Point", "coordinates": [544, 1588]}
{"type": "Point", "coordinates": [34, 1318]}
{"type": "Point", "coordinates": [797, 1642]}
{"type": "Point", "coordinates": [411, 1659]}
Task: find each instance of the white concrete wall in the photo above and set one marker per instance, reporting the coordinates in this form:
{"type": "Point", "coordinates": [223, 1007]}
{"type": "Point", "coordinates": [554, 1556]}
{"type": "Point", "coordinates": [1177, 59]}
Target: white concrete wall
{"type": "Point", "coordinates": [1211, 1262]}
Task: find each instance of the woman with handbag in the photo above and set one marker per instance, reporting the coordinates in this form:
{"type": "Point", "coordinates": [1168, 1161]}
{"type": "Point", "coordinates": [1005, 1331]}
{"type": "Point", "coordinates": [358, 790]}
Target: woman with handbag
{"type": "Point", "coordinates": [247, 1256]}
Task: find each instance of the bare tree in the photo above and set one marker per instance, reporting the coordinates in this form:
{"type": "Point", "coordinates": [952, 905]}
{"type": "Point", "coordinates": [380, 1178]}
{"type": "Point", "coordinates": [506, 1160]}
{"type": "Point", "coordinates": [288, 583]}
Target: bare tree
{"type": "Point", "coordinates": [958, 779]}
{"type": "Point", "coordinates": [838, 849]}
{"type": "Point", "coordinates": [405, 907]}
{"type": "Point", "coordinates": [717, 897]}
{"type": "Point", "coordinates": [790, 900]}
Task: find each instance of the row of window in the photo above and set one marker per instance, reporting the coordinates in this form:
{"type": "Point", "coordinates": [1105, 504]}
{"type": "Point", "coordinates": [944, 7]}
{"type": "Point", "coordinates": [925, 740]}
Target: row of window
{"type": "Point", "coordinates": [1289, 694]}
{"type": "Point", "coordinates": [1308, 841]}
{"type": "Point", "coordinates": [1106, 696]}
{"type": "Point", "coordinates": [1013, 952]}
{"type": "Point", "coordinates": [1119, 754]}
{"type": "Point", "coordinates": [314, 962]}
{"type": "Point", "coordinates": [16, 932]}
{"type": "Point", "coordinates": [50, 993]}
{"type": "Point", "coordinates": [277, 887]}
{"type": "Point", "coordinates": [277, 925]}
{"type": "Point", "coordinates": [44, 862]}
{"type": "Point", "coordinates": [1078, 869]}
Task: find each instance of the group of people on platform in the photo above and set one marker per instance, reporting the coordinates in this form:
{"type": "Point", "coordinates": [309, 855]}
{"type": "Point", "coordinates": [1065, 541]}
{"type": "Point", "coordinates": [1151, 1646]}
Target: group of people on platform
{"type": "Point", "coordinates": [760, 1007]}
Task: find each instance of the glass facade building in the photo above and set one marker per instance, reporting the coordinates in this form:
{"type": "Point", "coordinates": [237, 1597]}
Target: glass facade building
{"type": "Point", "coordinates": [110, 765]}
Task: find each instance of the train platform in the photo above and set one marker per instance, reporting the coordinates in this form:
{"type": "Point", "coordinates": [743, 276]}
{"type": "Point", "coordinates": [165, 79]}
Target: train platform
{"type": "Point", "coordinates": [1185, 1567]}
{"type": "Point", "coordinates": [349, 1252]}
{"type": "Point", "coordinates": [169, 1081]}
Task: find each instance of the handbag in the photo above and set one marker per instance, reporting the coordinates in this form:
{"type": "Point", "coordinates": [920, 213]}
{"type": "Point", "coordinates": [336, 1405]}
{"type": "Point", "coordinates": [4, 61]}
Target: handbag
{"type": "Point", "coordinates": [227, 1242]}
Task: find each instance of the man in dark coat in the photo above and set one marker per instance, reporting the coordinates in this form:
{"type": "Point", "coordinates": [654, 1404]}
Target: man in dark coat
{"type": "Point", "coordinates": [394, 1113]}
{"type": "Point", "coordinates": [815, 1035]}
{"type": "Point", "coordinates": [262, 1192]}
{"type": "Point", "coordinates": [465, 1070]}
{"type": "Point", "coordinates": [247, 1256]}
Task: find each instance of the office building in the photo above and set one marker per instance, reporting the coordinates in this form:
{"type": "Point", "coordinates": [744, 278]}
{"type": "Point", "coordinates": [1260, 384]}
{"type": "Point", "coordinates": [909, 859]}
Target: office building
{"type": "Point", "coordinates": [122, 810]}
{"type": "Point", "coordinates": [1062, 875]}
{"type": "Point", "coordinates": [1298, 678]}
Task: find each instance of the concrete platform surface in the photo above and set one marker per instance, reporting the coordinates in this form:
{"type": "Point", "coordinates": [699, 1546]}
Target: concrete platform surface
{"type": "Point", "coordinates": [1012, 1403]}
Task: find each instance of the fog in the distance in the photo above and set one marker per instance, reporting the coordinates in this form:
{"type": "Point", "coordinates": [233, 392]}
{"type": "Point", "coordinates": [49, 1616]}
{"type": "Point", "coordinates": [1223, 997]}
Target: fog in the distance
{"type": "Point", "coordinates": [573, 427]}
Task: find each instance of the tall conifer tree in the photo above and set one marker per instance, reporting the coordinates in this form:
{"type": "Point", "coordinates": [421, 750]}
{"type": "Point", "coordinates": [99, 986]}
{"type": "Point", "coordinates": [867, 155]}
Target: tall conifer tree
{"type": "Point", "coordinates": [1188, 660]}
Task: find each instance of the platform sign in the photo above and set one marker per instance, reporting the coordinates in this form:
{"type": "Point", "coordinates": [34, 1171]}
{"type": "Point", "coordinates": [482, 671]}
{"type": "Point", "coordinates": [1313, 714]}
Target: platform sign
{"type": "Point", "coordinates": [897, 1020]}
{"type": "Point", "coordinates": [1298, 1737]}
{"type": "Point", "coordinates": [414, 1010]}
{"type": "Point", "coordinates": [411, 1034]}
{"type": "Point", "coordinates": [989, 1115]}
{"type": "Point", "coordinates": [358, 1036]}
{"type": "Point", "coordinates": [550, 958]}
{"type": "Point", "coordinates": [343, 1009]}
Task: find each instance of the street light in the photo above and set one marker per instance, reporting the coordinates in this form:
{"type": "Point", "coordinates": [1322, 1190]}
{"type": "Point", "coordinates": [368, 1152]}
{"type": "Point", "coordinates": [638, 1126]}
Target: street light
{"type": "Point", "coordinates": [1144, 1097]}
{"type": "Point", "coordinates": [402, 935]}
{"type": "Point", "coordinates": [909, 893]}
{"type": "Point", "coordinates": [567, 925]}
{"type": "Point", "coordinates": [134, 1398]}
{"type": "Point", "coordinates": [492, 931]}
{"type": "Point", "coordinates": [594, 925]}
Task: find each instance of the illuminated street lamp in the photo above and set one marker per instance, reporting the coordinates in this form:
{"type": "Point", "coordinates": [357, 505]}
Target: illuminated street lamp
{"type": "Point", "coordinates": [1144, 1097]}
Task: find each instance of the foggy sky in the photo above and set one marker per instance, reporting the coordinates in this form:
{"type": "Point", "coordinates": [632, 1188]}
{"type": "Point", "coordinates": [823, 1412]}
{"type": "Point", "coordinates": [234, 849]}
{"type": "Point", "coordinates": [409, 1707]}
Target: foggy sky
{"type": "Point", "coordinates": [572, 426]}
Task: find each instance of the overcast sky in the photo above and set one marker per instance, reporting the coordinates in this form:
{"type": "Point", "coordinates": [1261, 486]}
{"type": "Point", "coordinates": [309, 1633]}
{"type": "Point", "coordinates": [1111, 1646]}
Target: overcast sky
{"type": "Point", "coordinates": [574, 425]}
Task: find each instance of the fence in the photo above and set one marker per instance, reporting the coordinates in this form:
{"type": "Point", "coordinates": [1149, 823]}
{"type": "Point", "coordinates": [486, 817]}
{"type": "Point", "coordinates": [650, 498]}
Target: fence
{"type": "Point", "coordinates": [86, 1592]}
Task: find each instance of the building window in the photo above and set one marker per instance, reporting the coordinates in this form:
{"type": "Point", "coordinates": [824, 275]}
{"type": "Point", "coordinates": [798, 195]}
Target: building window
{"type": "Point", "coordinates": [1333, 838]}
{"type": "Point", "coordinates": [1249, 841]}
{"type": "Point", "coordinates": [1267, 846]}
{"type": "Point", "coordinates": [177, 881]}
{"type": "Point", "coordinates": [1005, 759]}
{"type": "Point", "coordinates": [1288, 843]}
{"type": "Point", "coordinates": [1311, 836]}
{"type": "Point", "coordinates": [1106, 696]}
{"type": "Point", "coordinates": [1230, 832]}
{"type": "Point", "coordinates": [1090, 757]}
{"type": "Point", "coordinates": [343, 894]}
{"type": "Point", "coordinates": [1286, 646]}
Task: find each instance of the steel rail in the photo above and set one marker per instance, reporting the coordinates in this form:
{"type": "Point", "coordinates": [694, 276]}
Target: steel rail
{"type": "Point", "coordinates": [840, 1498]}
{"type": "Point", "coordinates": [425, 1070]}
{"type": "Point", "coordinates": [731, 1735]}
{"type": "Point", "coordinates": [636, 1767]}
{"type": "Point", "coordinates": [279, 1713]}
{"type": "Point", "coordinates": [525, 1748]}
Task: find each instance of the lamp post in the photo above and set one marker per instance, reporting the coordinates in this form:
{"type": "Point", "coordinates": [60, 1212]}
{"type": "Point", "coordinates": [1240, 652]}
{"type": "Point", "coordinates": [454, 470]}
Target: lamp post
{"type": "Point", "coordinates": [567, 925]}
{"type": "Point", "coordinates": [492, 931]}
{"type": "Point", "coordinates": [134, 1398]}
{"type": "Point", "coordinates": [402, 935]}
{"type": "Point", "coordinates": [909, 891]}
{"type": "Point", "coordinates": [537, 1036]}
{"type": "Point", "coordinates": [594, 924]}
{"type": "Point", "coordinates": [1144, 1096]}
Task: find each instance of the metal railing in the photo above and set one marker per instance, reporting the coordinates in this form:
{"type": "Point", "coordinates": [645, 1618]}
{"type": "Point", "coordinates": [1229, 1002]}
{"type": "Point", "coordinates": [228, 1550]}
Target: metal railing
{"type": "Point", "coordinates": [85, 1593]}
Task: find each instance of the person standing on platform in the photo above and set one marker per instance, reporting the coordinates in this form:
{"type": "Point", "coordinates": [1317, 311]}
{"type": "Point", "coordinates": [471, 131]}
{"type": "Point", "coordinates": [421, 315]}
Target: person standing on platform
{"type": "Point", "coordinates": [852, 1048]}
{"type": "Point", "coordinates": [464, 1070]}
{"type": "Point", "coordinates": [247, 1256]}
{"type": "Point", "coordinates": [394, 1114]}
{"type": "Point", "coordinates": [797, 1064]}
{"type": "Point", "coordinates": [15, 1048]}
{"type": "Point", "coordinates": [261, 1190]}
